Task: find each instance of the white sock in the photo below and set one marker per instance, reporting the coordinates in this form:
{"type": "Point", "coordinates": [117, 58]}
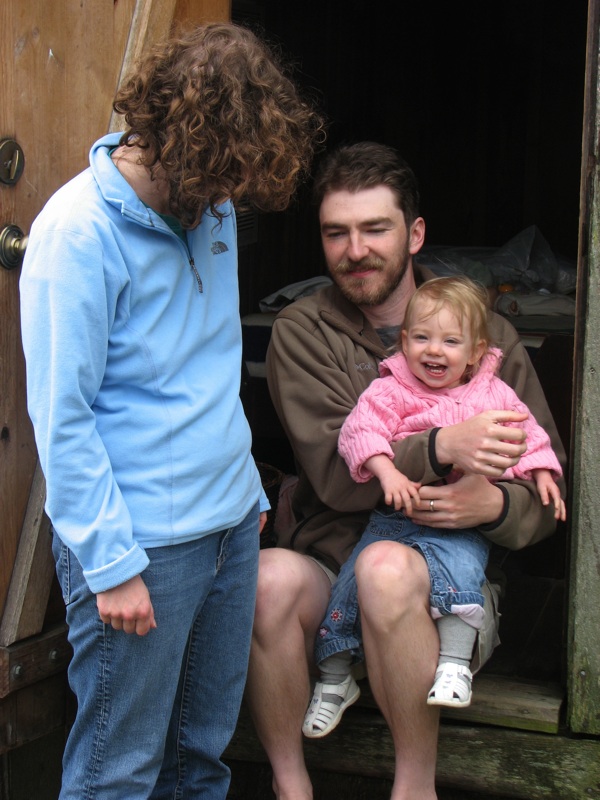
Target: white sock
{"type": "Point", "coordinates": [336, 667]}
{"type": "Point", "coordinates": [457, 639]}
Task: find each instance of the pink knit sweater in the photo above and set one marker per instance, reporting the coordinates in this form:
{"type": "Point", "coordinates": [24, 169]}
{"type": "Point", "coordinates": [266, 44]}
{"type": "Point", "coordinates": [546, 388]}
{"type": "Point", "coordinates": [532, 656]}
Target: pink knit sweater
{"type": "Point", "coordinates": [397, 404]}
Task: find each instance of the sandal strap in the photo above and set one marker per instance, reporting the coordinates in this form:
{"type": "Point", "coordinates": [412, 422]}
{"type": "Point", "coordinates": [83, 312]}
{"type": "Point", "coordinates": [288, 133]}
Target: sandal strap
{"type": "Point", "coordinates": [452, 686]}
{"type": "Point", "coordinates": [327, 706]}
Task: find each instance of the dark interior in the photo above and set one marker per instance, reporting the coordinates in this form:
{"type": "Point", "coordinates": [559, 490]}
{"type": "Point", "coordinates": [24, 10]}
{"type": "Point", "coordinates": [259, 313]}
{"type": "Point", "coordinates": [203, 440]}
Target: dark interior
{"type": "Point", "coordinates": [485, 101]}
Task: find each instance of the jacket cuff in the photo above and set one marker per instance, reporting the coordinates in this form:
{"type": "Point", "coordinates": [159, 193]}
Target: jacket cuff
{"type": "Point", "coordinates": [493, 525]}
{"type": "Point", "coordinates": [127, 566]}
{"type": "Point", "coordinates": [439, 469]}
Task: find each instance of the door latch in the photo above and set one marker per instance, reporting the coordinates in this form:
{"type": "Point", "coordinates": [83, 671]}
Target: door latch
{"type": "Point", "coordinates": [12, 161]}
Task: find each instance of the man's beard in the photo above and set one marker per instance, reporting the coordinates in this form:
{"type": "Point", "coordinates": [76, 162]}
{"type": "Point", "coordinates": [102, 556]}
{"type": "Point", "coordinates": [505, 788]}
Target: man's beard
{"type": "Point", "coordinates": [359, 291]}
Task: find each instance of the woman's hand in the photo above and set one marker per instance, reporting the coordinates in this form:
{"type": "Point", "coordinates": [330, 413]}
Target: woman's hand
{"type": "Point", "coordinates": [127, 607]}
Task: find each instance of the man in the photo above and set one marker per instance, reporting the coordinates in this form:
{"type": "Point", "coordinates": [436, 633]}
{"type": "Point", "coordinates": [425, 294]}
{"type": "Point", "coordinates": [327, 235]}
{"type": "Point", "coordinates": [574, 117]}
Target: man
{"type": "Point", "coordinates": [133, 347]}
{"type": "Point", "coordinates": [324, 351]}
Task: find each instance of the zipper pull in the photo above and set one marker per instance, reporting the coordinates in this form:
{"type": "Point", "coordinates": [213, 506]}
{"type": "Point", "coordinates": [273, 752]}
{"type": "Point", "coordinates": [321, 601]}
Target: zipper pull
{"type": "Point", "coordinates": [195, 271]}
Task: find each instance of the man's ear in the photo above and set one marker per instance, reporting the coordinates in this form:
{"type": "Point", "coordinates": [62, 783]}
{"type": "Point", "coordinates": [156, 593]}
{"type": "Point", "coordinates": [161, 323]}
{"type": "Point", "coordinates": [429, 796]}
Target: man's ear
{"type": "Point", "coordinates": [416, 236]}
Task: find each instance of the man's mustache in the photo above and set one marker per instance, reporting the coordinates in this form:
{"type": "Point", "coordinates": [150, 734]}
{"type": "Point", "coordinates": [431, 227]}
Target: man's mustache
{"type": "Point", "coordinates": [348, 267]}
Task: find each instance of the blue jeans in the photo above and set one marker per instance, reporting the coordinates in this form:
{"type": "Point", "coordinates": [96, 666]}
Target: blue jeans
{"type": "Point", "coordinates": [456, 560]}
{"type": "Point", "coordinates": [156, 712]}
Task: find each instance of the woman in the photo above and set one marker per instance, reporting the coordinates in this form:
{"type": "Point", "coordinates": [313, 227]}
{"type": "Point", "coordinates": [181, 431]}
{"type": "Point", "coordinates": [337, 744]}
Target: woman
{"type": "Point", "coordinates": [133, 347]}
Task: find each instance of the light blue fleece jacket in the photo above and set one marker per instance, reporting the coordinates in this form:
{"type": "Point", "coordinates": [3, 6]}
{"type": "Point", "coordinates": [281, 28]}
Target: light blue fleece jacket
{"type": "Point", "coordinates": [133, 374]}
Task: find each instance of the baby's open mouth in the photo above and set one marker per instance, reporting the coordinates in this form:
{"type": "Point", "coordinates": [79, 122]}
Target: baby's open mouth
{"type": "Point", "coordinates": [436, 369]}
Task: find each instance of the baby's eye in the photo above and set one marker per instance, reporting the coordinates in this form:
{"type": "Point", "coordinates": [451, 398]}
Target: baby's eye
{"type": "Point", "coordinates": [452, 342]}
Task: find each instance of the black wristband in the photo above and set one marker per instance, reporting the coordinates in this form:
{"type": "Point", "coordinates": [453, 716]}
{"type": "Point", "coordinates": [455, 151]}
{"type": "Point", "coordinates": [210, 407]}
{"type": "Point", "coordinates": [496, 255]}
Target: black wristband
{"type": "Point", "coordinates": [438, 468]}
{"type": "Point", "coordinates": [493, 525]}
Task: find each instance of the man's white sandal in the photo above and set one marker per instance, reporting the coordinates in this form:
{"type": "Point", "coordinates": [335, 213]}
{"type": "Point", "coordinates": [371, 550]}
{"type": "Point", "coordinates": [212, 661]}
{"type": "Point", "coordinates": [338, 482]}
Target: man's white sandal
{"type": "Point", "coordinates": [452, 686]}
{"type": "Point", "coordinates": [329, 702]}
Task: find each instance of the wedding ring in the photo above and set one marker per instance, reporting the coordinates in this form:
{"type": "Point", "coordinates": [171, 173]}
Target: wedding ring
{"type": "Point", "coordinates": [431, 508]}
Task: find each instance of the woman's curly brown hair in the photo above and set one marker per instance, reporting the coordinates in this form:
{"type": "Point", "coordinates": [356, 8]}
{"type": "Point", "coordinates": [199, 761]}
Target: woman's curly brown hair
{"type": "Point", "coordinates": [213, 108]}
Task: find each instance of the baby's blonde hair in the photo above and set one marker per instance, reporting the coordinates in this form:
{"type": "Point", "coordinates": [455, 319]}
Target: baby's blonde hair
{"type": "Point", "coordinates": [465, 298]}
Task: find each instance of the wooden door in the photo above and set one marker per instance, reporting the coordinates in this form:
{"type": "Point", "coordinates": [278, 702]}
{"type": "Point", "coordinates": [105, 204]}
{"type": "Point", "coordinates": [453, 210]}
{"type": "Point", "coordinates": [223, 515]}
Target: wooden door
{"type": "Point", "coordinates": [60, 64]}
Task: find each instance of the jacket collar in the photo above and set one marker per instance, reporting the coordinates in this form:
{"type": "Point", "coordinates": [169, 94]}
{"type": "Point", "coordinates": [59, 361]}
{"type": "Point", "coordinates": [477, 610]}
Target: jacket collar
{"type": "Point", "coordinates": [340, 313]}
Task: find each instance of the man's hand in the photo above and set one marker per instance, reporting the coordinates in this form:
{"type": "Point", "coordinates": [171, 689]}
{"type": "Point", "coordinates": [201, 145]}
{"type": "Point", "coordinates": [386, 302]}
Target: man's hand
{"type": "Point", "coordinates": [468, 503]}
{"type": "Point", "coordinates": [482, 444]}
{"type": "Point", "coordinates": [127, 607]}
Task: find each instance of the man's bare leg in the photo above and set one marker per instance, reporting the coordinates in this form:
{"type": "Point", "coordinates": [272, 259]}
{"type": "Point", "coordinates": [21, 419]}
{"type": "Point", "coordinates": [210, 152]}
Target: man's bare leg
{"type": "Point", "coordinates": [292, 598]}
{"type": "Point", "coordinates": [401, 648]}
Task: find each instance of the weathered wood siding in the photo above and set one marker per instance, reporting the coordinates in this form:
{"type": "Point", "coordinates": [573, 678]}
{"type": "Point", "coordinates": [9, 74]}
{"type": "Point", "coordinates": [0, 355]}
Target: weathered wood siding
{"type": "Point", "coordinates": [584, 602]}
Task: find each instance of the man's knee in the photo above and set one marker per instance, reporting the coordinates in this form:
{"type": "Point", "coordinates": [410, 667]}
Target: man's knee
{"type": "Point", "coordinates": [290, 587]}
{"type": "Point", "coordinates": [393, 570]}
{"type": "Point", "coordinates": [387, 558]}
{"type": "Point", "coordinates": [277, 583]}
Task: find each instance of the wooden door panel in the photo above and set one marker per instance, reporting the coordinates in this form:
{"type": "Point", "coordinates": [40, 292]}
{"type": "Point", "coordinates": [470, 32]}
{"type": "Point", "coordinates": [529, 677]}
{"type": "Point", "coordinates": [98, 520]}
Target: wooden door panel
{"type": "Point", "coordinates": [60, 62]}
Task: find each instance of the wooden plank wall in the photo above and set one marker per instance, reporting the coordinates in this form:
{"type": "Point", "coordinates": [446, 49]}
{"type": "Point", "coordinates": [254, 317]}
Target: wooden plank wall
{"type": "Point", "coordinates": [584, 602]}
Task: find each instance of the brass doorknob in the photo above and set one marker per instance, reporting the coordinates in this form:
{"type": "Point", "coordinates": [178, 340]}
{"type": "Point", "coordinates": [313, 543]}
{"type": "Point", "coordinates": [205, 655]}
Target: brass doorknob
{"type": "Point", "coordinates": [13, 243]}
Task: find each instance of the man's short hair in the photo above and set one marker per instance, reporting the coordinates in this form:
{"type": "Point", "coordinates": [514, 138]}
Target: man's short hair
{"type": "Point", "coordinates": [365, 165]}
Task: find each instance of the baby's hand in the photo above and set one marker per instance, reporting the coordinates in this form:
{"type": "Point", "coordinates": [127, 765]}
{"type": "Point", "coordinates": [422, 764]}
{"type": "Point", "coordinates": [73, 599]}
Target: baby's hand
{"type": "Point", "coordinates": [401, 492]}
{"type": "Point", "coordinates": [552, 493]}
{"type": "Point", "coordinates": [549, 492]}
